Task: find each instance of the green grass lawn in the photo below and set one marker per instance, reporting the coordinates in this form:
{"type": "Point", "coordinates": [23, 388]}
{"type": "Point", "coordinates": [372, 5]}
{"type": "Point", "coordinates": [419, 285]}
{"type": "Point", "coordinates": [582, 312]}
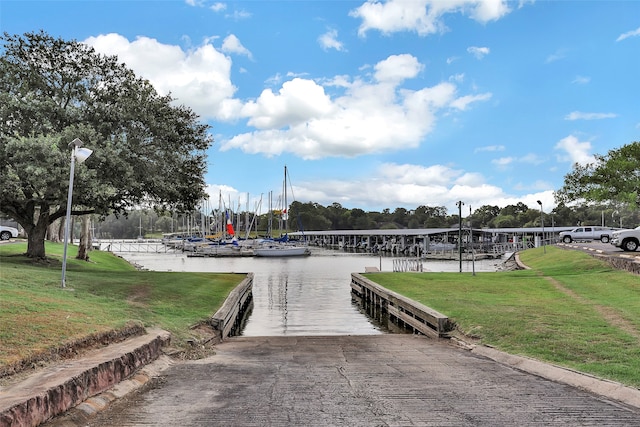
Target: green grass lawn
{"type": "Point", "coordinates": [570, 309]}
{"type": "Point", "coordinates": [105, 294]}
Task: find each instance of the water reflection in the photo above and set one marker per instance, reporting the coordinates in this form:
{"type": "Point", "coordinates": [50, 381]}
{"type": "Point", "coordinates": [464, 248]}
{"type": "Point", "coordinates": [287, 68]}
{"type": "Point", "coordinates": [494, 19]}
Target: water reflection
{"type": "Point", "coordinates": [306, 296]}
{"type": "Point", "coordinates": [298, 296]}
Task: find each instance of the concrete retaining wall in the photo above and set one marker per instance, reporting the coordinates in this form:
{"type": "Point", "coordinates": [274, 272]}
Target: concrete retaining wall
{"type": "Point", "coordinates": [629, 262]}
{"type": "Point", "coordinates": [56, 390]}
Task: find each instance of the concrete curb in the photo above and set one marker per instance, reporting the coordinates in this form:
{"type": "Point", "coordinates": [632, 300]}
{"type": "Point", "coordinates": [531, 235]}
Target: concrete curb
{"type": "Point", "coordinates": [56, 389]}
{"type": "Point", "coordinates": [610, 389]}
{"type": "Point", "coordinates": [520, 263]}
{"type": "Point", "coordinates": [605, 388]}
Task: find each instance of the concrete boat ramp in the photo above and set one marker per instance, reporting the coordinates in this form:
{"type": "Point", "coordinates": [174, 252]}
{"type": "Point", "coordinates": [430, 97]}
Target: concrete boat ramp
{"type": "Point", "coordinates": [376, 380]}
{"type": "Point", "coordinates": [369, 380]}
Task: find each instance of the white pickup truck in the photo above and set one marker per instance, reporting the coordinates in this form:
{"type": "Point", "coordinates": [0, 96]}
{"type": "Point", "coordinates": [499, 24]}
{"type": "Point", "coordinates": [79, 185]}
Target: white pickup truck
{"type": "Point", "coordinates": [628, 239]}
{"type": "Point", "coordinates": [587, 233]}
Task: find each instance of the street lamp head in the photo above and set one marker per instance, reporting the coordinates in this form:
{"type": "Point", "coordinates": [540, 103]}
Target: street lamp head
{"type": "Point", "coordinates": [82, 154]}
{"type": "Point", "coordinates": [539, 202]}
{"type": "Point", "coordinates": [76, 143]}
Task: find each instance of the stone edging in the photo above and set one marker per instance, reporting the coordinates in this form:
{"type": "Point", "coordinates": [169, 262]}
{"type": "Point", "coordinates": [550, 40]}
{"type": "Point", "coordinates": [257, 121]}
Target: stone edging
{"type": "Point", "coordinates": [53, 391]}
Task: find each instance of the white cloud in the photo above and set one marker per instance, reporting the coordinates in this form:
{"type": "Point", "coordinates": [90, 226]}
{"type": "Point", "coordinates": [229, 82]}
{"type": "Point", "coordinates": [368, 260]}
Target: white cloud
{"type": "Point", "coordinates": [393, 183]}
{"type": "Point", "coordinates": [532, 159]}
{"type": "Point", "coordinates": [557, 56]}
{"type": "Point", "coordinates": [470, 179]}
{"type": "Point", "coordinates": [628, 34]}
{"type": "Point", "coordinates": [581, 80]}
{"type": "Point", "coordinates": [423, 16]}
{"type": "Point", "coordinates": [575, 151]}
{"type": "Point", "coordinates": [503, 162]}
{"type": "Point", "coordinates": [329, 40]}
{"type": "Point", "coordinates": [404, 185]}
{"type": "Point", "coordinates": [218, 7]}
{"type": "Point", "coordinates": [490, 148]}
{"type": "Point", "coordinates": [199, 78]}
{"type": "Point", "coordinates": [457, 78]}
{"type": "Point", "coordinates": [578, 115]}
{"type": "Point", "coordinates": [463, 102]}
{"type": "Point", "coordinates": [506, 162]}
{"type": "Point", "coordinates": [478, 52]}
{"type": "Point", "coordinates": [538, 185]}
{"type": "Point", "coordinates": [231, 44]}
{"type": "Point", "coordinates": [296, 102]}
{"type": "Point", "coordinates": [397, 68]}
{"type": "Point", "coordinates": [412, 185]}
{"type": "Point", "coordinates": [360, 117]}
{"type": "Point", "coordinates": [489, 10]}
{"type": "Point", "coordinates": [417, 174]}
{"type": "Point", "coordinates": [238, 15]}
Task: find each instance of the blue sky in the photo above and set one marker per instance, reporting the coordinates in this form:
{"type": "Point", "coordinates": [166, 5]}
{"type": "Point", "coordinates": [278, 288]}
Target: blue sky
{"type": "Point", "coordinates": [379, 104]}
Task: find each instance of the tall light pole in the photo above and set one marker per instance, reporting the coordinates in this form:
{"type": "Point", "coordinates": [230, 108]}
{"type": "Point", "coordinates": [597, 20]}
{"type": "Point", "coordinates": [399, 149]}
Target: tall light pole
{"type": "Point", "coordinates": [460, 233]}
{"type": "Point", "coordinates": [544, 248]}
{"type": "Point", "coordinates": [80, 154]}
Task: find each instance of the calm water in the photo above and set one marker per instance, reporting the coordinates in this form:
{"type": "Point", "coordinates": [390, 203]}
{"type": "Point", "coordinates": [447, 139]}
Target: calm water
{"type": "Point", "coordinates": [298, 296]}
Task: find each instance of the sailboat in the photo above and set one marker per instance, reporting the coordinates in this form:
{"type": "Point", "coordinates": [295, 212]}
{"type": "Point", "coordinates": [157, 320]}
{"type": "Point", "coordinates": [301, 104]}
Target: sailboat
{"type": "Point", "coordinates": [281, 247]}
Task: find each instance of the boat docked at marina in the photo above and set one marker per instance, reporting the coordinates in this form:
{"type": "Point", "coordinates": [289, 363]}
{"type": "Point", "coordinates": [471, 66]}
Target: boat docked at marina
{"type": "Point", "coordinates": [222, 248]}
{"type": "Point", "coordinates": [281, 247]}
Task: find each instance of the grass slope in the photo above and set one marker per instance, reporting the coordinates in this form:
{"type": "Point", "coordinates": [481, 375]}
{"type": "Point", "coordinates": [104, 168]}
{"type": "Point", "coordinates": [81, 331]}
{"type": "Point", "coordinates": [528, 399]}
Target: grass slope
{"type": "Point", "coordinates": [570, 309]}
{"type": "Point", "coordinates": [105, 294]}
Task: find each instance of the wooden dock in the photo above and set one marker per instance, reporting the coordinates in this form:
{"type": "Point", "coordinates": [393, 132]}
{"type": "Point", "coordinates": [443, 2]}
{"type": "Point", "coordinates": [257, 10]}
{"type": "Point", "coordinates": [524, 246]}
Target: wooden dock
{"type": "Point", "coordinates": [230, 318]}
{"type": "Point", "coordinates": [402, 311]}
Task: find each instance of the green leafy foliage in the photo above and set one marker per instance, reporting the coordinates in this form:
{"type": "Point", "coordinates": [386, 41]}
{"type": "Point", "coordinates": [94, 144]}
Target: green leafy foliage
{"type": "Point", "coordinates": [614, 178]}
{"type": "Point", "coordinates": [53, 91]}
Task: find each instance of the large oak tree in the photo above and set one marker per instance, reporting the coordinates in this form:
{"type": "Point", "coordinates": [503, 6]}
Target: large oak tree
{"type": "Point", "coordinates": [146, 149]}
{"type": "Point", "coordinates": [613, 178]}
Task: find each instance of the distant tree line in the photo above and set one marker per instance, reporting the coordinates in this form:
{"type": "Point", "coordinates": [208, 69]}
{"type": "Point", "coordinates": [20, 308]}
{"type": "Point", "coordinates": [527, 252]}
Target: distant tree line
{"type": "Point", "coordinates": [313, 216]}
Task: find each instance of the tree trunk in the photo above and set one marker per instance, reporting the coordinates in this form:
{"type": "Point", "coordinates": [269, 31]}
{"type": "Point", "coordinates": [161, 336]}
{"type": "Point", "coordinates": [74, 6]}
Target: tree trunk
{"type": "Point", "coordinates": [35, 239]}
{"type": "Point", "coordinates": [60, 229]}
{"type": "Point", "coordinates": [85, 238]}
{"type": "Point", "coordinates": [54, 231]}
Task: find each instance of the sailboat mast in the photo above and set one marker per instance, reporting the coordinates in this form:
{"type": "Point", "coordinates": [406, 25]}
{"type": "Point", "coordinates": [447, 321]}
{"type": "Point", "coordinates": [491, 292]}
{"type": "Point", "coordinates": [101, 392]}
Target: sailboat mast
{"type": "Point", "coordinates": [286, 213]}
{"type": "Point", "coordinates": [270, 224]}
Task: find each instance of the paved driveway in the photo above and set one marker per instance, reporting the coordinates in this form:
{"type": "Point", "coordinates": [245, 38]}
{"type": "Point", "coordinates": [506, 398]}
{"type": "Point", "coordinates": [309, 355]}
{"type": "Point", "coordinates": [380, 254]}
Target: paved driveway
{"type": "Point", "coordinates": [597, 246]}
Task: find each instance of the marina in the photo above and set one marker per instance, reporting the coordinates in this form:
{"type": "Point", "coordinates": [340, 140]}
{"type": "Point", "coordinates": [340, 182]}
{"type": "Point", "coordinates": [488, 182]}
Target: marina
{"type": "Point", "coordinates": [433, 243]}
{"type": "Point", "coordinates": [300, 295]}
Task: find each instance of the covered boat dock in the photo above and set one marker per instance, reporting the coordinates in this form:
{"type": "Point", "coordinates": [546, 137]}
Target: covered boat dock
{"type": "Point", "coordinates": [422, 241]}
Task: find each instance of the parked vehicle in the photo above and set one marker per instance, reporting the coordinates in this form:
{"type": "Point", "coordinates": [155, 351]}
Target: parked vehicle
{"type": "Point", "coordinates": [7, 233]}
{"type": "Point", "coordinates": [587, 233]}
{"type": "Point", "coordinates": [628, 239]}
